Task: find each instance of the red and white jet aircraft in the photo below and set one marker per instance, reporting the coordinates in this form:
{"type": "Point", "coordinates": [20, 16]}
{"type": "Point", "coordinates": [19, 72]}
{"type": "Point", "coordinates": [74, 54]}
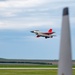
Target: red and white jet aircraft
{"type": "Point", "coordinates": [48, 34]}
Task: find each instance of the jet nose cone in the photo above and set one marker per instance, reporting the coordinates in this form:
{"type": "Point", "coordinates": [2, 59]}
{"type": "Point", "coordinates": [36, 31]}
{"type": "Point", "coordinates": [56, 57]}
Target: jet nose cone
{"type": "Point", "coordinates": [32, 31]}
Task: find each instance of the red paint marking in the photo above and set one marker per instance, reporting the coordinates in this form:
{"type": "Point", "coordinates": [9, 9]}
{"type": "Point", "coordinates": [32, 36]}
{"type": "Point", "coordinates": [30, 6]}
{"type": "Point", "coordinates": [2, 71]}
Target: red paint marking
{"type": "Point", "coordinates": [50, 30]}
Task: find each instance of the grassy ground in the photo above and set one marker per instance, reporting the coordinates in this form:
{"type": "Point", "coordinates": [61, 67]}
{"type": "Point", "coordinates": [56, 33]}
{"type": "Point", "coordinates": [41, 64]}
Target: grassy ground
{"type": "Point", "coordinates": [28, 66]}
{"type": "Point", "coordinates": [30, 72]}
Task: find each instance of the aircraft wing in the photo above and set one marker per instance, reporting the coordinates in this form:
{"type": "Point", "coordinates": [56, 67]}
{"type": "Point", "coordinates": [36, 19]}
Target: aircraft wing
{"type": "Point", "coordinates": [49, 33]}
{"type": "Point", "coordinates": [53, 35]}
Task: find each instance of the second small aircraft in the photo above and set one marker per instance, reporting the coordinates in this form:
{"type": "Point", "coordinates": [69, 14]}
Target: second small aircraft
{"type": "Point", "coordinates": [48, 34]}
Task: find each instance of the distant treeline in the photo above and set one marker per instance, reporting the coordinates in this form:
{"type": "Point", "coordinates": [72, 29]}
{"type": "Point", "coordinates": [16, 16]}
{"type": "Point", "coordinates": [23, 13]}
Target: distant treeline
{"type": "Point", "coordinates": [26, 62]}
{"type": "Point", "coordinates": [23, 61]}
{"type": "Point", "coordinates": [20, 61]}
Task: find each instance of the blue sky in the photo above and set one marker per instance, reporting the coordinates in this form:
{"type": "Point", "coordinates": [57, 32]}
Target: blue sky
{"type": "Point", "coordinates": [19, 17]}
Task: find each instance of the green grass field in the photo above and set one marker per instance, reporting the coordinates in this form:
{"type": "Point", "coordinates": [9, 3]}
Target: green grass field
{"type": "Point", "coordinates": [29, 71]}
{"type": "Point", "coordinates": [28, 66]}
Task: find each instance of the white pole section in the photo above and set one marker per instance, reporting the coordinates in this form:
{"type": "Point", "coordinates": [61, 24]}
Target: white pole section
{"type": "Point", "coordinates": [65, 59]}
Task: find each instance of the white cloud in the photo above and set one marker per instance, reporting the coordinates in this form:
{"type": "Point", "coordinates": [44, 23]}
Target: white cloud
{"type": "Point", "coordinates": [29, 22]}
{"type": "Point", "coordinates": [23, 25]}
{"type": "Point", "coordinates": [21, 3]}
{"type": "Point", "coordinates": [11, 8]}
{"type": "Point", "coordinates": [9, 12]}
{"type": "Point", "coordinates": [26, 3]}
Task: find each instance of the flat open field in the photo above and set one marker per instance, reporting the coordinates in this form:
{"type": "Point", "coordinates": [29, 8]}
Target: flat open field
{"type": "Point", "coordinates": [28, 66]}
{"type": "Point", "coordinates": [29, 72]}
{"type": "Point", "coordinates": [32, 71]}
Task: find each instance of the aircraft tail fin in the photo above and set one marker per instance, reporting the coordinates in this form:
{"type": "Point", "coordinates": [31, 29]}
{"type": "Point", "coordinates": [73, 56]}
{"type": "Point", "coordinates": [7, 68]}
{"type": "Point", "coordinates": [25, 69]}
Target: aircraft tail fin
{"type": "Point", "coordinates": [50, 30]}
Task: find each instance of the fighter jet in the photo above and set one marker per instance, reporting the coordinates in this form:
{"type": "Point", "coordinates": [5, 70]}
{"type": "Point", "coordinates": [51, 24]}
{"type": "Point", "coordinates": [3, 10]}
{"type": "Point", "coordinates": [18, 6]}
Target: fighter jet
{"type": "Point", "coordinates": [48, 34]}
